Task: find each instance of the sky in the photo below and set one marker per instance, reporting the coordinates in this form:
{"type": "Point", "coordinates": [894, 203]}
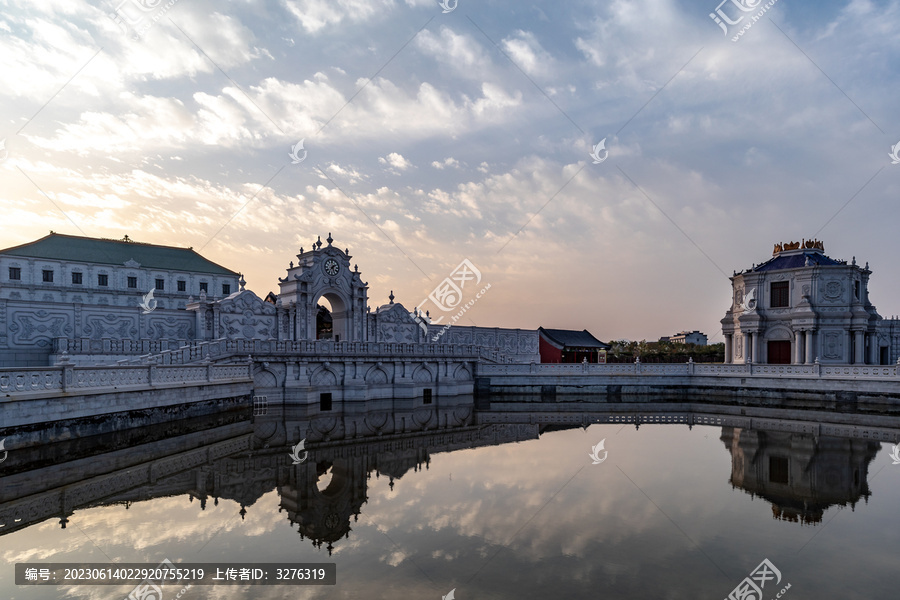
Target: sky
{"type": "Point", "coordinates": [433, 134]}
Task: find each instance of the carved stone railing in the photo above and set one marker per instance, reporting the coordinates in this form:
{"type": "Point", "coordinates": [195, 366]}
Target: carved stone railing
{"type": "Point", "coordinates": [698, 370]}
{"type": "Point", "coordinates": [216, 350]}
{"type": "Point", "coordinates": [114, 346]}
{"type": "Point", "coordinates": [69, 378]}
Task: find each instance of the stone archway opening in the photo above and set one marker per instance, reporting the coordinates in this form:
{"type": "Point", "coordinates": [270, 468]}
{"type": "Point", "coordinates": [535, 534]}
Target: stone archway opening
{"type": "Point", "coordinates": [332, 318]}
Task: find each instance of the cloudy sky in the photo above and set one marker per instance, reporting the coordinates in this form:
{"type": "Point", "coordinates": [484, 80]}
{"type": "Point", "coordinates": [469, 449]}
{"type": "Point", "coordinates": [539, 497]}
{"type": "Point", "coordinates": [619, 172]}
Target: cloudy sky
{"type": "Point", "coordinates": [431, 137]}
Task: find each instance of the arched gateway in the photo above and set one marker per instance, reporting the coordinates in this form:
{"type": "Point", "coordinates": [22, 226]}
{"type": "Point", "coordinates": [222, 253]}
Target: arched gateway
{"type": "Point", "coordinates": [324, 272]}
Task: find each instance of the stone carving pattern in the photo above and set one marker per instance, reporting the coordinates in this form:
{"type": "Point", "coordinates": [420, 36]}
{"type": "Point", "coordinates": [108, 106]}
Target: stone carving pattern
{"type": "Point", "coordinates": [38, 328]}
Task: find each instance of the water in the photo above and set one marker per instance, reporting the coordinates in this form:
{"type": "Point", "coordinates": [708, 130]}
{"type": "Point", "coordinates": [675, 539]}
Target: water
{"type": "Point", "coordinates": [671, 512]}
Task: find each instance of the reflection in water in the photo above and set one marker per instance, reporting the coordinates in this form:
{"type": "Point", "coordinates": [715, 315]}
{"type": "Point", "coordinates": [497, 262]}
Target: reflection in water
{"type": "Point", "coordinates": [799, 473]}
{"type": "Point", "coordinates": [801, 468]}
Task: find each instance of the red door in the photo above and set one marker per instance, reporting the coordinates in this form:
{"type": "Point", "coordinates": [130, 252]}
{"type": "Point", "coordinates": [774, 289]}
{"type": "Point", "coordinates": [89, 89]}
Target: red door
{"type": "Point", "coordinates": [779, 352]}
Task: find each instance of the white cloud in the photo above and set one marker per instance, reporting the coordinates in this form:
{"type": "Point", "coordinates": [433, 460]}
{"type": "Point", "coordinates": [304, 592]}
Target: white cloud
{"type": "Point", "coordinates": [447, 162]}
{"type": "Point", "coordinates": [396, 161]}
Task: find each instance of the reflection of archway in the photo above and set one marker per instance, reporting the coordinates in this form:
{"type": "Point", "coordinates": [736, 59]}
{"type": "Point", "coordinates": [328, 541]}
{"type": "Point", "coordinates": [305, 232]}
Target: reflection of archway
{"type": "Point", "coordinates": [335, 310]}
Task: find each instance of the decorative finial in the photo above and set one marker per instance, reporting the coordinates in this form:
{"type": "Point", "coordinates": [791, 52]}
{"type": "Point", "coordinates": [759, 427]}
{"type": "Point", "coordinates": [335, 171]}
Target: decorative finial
{"type": "Point", "coordinates": [347, 252]}
{"type": "Point", "coordinates": [329, 240]}
{"type": "Point", "coordinates": [391, 296]}
{"type": "Point", "coordinates": [319, 242]}
{"type": "Point", "coordinates": [292, 264]}
{"type": "Point", "coordinates": [428, 313]}
{"type": "Point", "coordinates": [356, 268]}
{"type": "Point", "coordinates": [867, 265]}
{"type": "Point", "coordinates": [854, 261]}
{"type": "Point", "coordinates": [242, 282]}
{"type": "Point", "coordinates": [301, 251]}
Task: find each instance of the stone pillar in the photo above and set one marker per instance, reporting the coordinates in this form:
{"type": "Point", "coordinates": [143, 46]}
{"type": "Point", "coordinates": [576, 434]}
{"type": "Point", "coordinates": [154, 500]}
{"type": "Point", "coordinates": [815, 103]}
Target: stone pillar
{"type": "Point", "coordinates": [755, 347]}
{"type": "Point", "coordinates": [798, 347]}
{"type": "Point", "coordinates": [860, 350]}
{"type": "Point", "coordinates": [810, 351]}
{"type": "Point", "coordinates": [747, 345]}
{"type": "Point", "coordinates": [874, 357]}
{"type": "Point", "coordinates": [728, 342]}
{"type": "Point", "coordinates": [847, 354]}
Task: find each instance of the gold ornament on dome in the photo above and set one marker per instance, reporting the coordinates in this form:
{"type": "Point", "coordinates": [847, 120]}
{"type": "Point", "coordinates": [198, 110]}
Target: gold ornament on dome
{"type": "Point", "coordinates": [805, 244]}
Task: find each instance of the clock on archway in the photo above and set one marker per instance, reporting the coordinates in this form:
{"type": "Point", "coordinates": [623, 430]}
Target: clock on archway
{"type": "Point", "coordinates": [332, 267]}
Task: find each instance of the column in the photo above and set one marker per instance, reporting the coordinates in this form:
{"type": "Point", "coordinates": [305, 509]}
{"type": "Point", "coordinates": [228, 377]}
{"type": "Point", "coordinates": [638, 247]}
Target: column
{"type": "Point", "coordinates": [728, 348]}
{"type": "Point", "coordinates": [810, 352]}
{"type": "Point", "coordinates": [860, 357]}
{"type": "Point", "coordinates": [874, 358]}
{"type": "Point", "coordinates": [755, 347]}
{"type": "Point", "coordinates": [798, 346]}
{"type": "Point", "coordinates": [747, 345]}
{"type": "Point", "coordinates": [847, 354]}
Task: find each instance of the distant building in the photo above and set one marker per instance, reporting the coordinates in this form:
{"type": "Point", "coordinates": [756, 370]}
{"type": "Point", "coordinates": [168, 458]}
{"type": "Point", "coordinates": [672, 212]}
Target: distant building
{"type": "Point", "coordinates": [687, 337]}
{"type": "Point", "coordinates": [800, 307]}
{"type": "Point", "coordinates": [568, 346]}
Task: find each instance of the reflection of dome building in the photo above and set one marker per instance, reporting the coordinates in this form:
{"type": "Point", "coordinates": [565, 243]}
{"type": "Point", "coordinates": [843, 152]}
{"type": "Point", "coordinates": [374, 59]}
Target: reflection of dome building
{"type": "Point", "coordinates": [800, 474]}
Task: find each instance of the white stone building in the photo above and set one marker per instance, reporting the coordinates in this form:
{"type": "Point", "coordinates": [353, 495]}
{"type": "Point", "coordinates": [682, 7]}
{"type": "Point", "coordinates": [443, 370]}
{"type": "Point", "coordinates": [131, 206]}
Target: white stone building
{"type": "Point", "coordinates": [89, 288]}
{"type": "Point", "coordinates": [802, 306]}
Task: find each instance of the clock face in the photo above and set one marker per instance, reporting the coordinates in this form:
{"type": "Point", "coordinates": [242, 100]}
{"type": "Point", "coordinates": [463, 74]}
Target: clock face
{"type": "Point", "coordinates": [332, 267]}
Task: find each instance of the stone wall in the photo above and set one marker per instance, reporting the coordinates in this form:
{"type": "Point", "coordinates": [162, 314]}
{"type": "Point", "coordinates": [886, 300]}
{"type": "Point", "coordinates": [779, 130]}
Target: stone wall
{"type": "Point", "coordinates": [516, 345]}
{"type": "Point", "coordinates": [27, 329]}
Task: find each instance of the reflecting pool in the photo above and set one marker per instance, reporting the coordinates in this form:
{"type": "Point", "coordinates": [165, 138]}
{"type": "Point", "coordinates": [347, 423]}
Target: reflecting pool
{"type": "Point", "coordinates": [413, 501]}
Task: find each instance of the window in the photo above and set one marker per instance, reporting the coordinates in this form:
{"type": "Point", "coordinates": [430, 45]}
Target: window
{"type": "Point", "coordinates": [76, 278]}
{"type": "Point", "coordinates": [15, 273]}
{"type": "Point", "coordinates": [103, 280]}
{"type": "Point", "coordinates": [426, 396]}
{"type": "Point", "coordinates": [182, 285]}
{"type": "Point", "coordinates": [325, 401]}
{"type": "Point", "coordinates": [856, 289]}
{"type": "Point", "coordinates": [132, 282]}
{"type": "Point", "coordinates": [160, 284]}
{"type": "Point", "coordinates": [48, 275]}
{"type": "Point", "coordinates": [204, 286]}
{"type": "Point", "coordinates": [780, 294]}
{"type": "Point", "coordinates": [226, 289]}
{"type": "Point", "coordinates": [778, 470]}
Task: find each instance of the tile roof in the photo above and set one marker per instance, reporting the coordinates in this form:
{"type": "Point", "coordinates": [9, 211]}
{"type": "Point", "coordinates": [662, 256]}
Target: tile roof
{"type": "Point", "coordinates": [572, 339]}
{"type": "Point", "coordinates": [795, 261]}
{"type": "Point", "coordinates": [57, 246]}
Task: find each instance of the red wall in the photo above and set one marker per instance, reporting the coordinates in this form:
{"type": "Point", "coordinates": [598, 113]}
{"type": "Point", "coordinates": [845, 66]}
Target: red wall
{"type": "Point", "coordinates": [549, 353]}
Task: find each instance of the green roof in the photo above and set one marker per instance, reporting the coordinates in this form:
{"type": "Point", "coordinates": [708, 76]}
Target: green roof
{"type": "Point", "coordinates": [57, 246]}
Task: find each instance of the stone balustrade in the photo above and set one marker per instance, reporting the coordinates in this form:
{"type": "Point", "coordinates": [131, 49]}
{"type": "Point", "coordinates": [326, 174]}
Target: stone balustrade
{"type": "Point", "coordinates": [873, 372]}
{"type": "Point", "coordinates": [223, 348]}
{"type": "Point", "coordinates": [67, 378]}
